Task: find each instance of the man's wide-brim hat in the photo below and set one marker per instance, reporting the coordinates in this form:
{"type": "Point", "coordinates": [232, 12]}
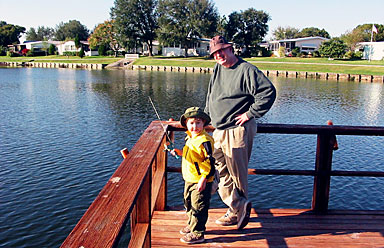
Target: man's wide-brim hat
{"type": "Point", "coordinates": [194, 112]}
{"type": "Point", "coordinates": [217, 43]}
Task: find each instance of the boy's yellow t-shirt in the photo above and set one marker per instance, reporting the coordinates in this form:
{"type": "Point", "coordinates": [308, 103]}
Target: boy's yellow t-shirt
{"type": "Point", "coordinates": [196, 161]}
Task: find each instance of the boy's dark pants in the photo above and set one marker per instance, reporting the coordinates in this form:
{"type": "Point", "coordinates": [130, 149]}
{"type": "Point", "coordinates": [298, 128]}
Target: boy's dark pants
{"type": "Point", "coordinates": [197, 204]}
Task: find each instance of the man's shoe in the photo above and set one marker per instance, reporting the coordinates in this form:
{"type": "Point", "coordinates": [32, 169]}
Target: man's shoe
{"type": "Point", "coordinates": [192, 238]}
{"type": "Point", "coordinates": [185, 230]}
{"type": "Point", "coordinates": [243, 215]}
{"type": "Point", "coordinates": [227, 220]}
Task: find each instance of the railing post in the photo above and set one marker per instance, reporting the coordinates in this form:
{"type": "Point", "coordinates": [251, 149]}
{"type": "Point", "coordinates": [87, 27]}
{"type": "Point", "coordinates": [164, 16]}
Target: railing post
{"type": "Point", "coordinates": [322, 179]}
{"type": "Point", "coordinates": [161, 161]}
{"type": "Point", "coordinates": [141, 216]}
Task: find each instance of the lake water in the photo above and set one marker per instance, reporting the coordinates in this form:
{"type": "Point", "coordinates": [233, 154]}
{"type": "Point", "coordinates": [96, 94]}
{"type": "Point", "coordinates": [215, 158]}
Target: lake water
{"type": "Point", "coordinates": [61, 131]}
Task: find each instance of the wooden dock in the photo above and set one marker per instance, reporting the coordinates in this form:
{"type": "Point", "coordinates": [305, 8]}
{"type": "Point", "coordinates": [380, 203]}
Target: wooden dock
{"type": "Point", "coordinates": [277, 228]}
{"type": "Point", "coordinates": [137, 194]}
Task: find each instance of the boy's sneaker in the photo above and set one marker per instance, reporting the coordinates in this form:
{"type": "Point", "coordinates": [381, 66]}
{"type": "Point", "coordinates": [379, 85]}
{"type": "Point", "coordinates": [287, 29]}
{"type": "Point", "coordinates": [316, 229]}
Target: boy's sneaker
{"type": "Point", "coordinates": [227, 220]}
{"type": "Point", "coordinates": [185, 230]}
{"type": "Point", "coordinates": [192, 238]}
{"type": "Point", "coordinates": [243, 215]}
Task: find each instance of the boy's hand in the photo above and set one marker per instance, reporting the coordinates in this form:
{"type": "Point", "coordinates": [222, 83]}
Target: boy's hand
{"type": "Point", "coordinates": [173, 153]}
{"type": "Point", "coordinates": [169, 147]}
{"type": "Point", "coordinates": [201, 184]}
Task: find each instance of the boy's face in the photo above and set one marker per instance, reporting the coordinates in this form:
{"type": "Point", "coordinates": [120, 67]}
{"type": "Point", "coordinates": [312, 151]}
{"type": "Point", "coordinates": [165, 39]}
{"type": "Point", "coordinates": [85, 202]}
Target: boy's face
{"type": "Point", "coordinates": [195, 125]}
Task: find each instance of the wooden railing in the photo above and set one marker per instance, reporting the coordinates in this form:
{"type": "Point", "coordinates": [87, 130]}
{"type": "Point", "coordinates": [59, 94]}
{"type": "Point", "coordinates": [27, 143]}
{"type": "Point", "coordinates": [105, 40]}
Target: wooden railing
{"type": "Point", "coordinates": [139, 185]}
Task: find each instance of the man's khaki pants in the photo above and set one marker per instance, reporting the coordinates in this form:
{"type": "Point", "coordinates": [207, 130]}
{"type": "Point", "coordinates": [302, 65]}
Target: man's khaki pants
{"type": "Point", "coordinates": [232, 151]}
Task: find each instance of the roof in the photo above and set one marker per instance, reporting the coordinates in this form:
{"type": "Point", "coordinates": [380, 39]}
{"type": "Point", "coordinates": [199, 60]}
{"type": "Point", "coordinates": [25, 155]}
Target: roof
{"type": "Point", "coordinates": [299, 39]}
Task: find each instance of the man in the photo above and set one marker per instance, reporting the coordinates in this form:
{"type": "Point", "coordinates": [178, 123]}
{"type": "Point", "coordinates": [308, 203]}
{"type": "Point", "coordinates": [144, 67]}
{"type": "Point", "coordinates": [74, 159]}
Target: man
{"type": "Point", "coordinates": [238, 92]}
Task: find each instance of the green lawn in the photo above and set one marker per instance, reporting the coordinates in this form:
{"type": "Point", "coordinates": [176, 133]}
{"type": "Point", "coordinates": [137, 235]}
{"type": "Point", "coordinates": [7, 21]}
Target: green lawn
{"type": "Point", "coordinates": [63, 59]}
{"type": "Point", "coordinates": [362, 67]}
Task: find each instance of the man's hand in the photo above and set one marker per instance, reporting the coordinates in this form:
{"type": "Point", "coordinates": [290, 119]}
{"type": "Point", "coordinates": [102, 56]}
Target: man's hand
{"type": "Point", "coordinates": [241, 119]}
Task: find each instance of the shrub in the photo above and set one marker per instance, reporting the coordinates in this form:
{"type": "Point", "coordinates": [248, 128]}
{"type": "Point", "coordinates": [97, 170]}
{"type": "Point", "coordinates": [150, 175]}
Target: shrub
{"type": "Point", "coordinates": [353, 55]}
{"type": "Point", "coordinates": [265, 52]}
{"type": "Point", "coordinates": [3, 51]}
{"type": "Point", "coordinates": [110, 53]}
{"type": "Point", "coordinates": [12, 54]}
{"type": "Point", "coordinates": [257, 52]}
{"type": "Point", "coordinates": [24, 51]}
{"type": "Point", "coordinates": [102, 50]}
{"type": "Point", "coordinates": [333, 48]}
{"type": "Point", "coordinates": [29, 53]}
{"type": "Point", "coordinates": [69, 53]}
{"type": "Point", "coordinates": [51, 49]}
{"type": "Point", "coordinates": [295, 51]}
{"type": "Point", "coordinates": [316, 54]}
{"type": "Point", "coordinates": [282, 51]}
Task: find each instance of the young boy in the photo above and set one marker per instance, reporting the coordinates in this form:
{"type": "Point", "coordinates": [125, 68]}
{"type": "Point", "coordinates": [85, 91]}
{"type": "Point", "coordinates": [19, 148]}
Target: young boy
{"type": "Point", "coordinates": [198, 168]}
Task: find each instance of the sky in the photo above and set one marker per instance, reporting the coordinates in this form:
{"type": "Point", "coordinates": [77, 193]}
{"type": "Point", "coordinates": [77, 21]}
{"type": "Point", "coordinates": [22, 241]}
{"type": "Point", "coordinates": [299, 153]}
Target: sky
{"type": "Point", "coordinates": [335, 16]}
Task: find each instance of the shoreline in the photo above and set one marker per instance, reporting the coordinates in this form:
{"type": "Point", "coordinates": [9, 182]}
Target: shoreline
{"type": "Point", "coordinates": [55, 65]}
{"type": "Point", "coordinates": [277, 73]}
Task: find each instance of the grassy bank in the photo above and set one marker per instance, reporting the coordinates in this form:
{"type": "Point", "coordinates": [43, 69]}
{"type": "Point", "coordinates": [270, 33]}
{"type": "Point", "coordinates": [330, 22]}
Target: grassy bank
{"type": "Point", "coordinates": [63, 59]}
{"type": "Point", "coordinates": [361, 67]}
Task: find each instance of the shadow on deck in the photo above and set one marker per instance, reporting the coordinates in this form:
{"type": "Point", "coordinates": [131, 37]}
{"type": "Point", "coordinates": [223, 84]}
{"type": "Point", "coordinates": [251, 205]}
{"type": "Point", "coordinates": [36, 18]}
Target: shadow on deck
{"type": "Point", "coordinates": [277, 228]}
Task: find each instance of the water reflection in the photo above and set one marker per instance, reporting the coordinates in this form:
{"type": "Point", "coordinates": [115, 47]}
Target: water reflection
{"type": "Point", "coordinates": [61, 131]}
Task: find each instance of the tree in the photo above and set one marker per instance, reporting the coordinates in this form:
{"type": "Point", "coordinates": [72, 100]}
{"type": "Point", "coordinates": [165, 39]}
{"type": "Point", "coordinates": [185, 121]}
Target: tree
{"type": "Point", "coordinates": [81, 53]}
{"type": "Point", "coordinates": [77, 41]}
{"type": "Point", "coordinates": [69, 30]}
{"type": "Point", "coordinates": [312, 32]}
{"type": "Point", "coordinates": [9, 33]}
{"type": "Point", "coordinates": [221, 25]}
{"type": "Point", "coordinates": [42, 33]}
{"type": "Point", "coordinates": [248, 27]}
{"type": "Point", "coordinates": [334, 48]}
{"type": "Point", "coordinates": [105, 35]}
{"type": "Point", "coordinates": [31, 34]}
{"type": "Point", "coordinates": [135, 20]}
{"type": "Point", "coordinates": [362, 33]}
{"type": "Point", "coordinates": [351, 38]}
{"type": "Point", "coordinates": [281, 33]}
{"type": "Point", "coordinates": [184, 21]}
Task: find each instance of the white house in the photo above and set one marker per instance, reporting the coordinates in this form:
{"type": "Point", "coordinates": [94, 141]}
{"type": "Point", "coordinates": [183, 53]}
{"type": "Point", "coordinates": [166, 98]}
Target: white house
{"type": "Point", "coordinates": [61, 46]}
{"type": "Point", "coordinates": [307, 44]}
{"type": "Point", "coordinates": [35, 45]}
{"type": "Point", "coordinates": [69, 46]}
{"type": "Point", "coordinates": [198, 48]}
{"type": "Point", "coordinates": [372, 50]}
{"type": "Point", "coordinates": [155, 48]}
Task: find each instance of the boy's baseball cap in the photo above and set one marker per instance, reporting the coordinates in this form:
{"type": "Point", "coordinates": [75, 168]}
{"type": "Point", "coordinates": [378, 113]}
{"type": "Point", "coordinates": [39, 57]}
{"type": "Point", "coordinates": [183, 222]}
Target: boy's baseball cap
{"type": "Point", "coordinates": [216, 43]}
{"type": "Point", "coordinates": [194, 112]}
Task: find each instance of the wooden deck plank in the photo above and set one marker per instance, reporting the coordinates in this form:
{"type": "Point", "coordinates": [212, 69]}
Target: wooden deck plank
{"type": "Point", "coordinates": [277, 228]}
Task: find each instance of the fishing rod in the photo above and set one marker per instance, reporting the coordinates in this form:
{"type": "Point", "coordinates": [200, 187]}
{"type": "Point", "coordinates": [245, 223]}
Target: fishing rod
{"type": "Point", "coordinates": [169, 147]}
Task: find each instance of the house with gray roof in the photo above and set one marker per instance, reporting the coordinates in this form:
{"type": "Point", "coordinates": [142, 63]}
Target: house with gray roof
{"type": "Point", "coordinates": [306, 44]}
